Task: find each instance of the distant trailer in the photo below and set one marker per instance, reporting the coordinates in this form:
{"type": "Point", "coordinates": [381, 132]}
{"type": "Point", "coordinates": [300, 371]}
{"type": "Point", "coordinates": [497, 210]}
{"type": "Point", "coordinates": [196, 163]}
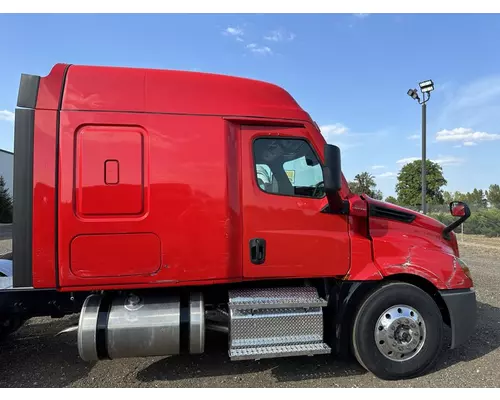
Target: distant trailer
{"type": "Point", "coordinates": [6, 168]}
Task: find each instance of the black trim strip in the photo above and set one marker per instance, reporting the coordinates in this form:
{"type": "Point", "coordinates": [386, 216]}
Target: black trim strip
{"type": "Point", "coordinates": [343, 211]}
{"type": "Point", "coordinates": [185, 322]}
{"type": "Point", "coordinates": [389, 213]}
{"type": "Point", "coordinates": [22, 227]}
{"type": "Point", "coordinates": [102, 326]}
{"type": "Point", "coordinates": [28, 91]}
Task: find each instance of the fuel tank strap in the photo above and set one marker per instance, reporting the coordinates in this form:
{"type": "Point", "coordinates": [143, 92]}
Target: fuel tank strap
{"type": "Point", "coordinates": [185, 322]}
{"type": "Point", "coordinates": [102, 324]}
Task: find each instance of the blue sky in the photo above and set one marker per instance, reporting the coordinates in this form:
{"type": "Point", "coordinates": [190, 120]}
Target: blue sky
{"type": "Point", "coordinates": [350, 72]}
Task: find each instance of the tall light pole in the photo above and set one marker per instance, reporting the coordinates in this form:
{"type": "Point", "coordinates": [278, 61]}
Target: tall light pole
{"type": "Point", "coordinates": [426, 87]}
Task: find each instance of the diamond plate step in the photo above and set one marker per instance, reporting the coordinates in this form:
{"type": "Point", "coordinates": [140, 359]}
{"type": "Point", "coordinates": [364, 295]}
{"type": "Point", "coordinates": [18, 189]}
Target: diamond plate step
{"type": "Point", "coordinates": [274, 298]}
{"type": "Point", "coordinates": [256, 353]}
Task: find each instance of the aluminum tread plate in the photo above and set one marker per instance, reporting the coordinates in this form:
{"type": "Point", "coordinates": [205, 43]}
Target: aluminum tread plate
{"type": "Point", "coordinates": [275, 298]}
{"type": "Point", "coordinates": [255, 353]}
{"type": "Point", "coordinates": [285, 325]}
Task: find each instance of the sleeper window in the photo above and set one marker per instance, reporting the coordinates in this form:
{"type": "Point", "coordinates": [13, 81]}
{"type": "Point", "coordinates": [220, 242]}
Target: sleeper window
{"type": "Point", "coordinates": [288, 167]}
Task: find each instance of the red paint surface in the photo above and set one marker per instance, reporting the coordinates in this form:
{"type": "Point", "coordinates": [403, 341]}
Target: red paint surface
{"type": "Point", "coordinates": [100, 149]}
{"type": "Point", "coordinates": [186, 197]}
{"type": "Point", "coordinates": [190, 183]}
{"type": "Point", "coordinates": [301, 241]}
{"type": "Point", "coordinates": [50, 88]}
{"type": "Point", "coordinates": [92, 88]}
{"type": "Point", "coordinates": [115, 255]}
{"type": "Point", "coordinates": [417, 248]}
{"type": "Point", "coordinates": [362, 266]}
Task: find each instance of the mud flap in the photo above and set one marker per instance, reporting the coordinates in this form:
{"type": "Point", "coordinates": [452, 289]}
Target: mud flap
{"type": "Point", "coordinates": [462, 307]}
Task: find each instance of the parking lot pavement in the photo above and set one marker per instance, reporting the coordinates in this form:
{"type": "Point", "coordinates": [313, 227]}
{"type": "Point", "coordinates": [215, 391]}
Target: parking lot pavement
{"type": "Point", "coordinates": [34, 357]}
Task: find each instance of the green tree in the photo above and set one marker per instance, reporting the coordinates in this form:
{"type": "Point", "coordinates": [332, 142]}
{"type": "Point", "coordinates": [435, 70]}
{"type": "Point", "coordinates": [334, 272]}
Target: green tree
{"type": "Point", "coordinates": [377, 195]}
{"type": "Point", "coordinates": [447, 197]}
{"type": "Point", "coordinates": [5, 203]}
{"type": "Point", "coordinates": [493, 195]}
{"type": "Point", "coordinates": [409, 186]}
{"type": "Point", "coordinates": [459, 196]}
{"type": "Point", "coordinates": [476, 198]}
{"type": "Point", "coordinates": [391, 199]}
{"type": "Point", "coordinates": [364, 183]}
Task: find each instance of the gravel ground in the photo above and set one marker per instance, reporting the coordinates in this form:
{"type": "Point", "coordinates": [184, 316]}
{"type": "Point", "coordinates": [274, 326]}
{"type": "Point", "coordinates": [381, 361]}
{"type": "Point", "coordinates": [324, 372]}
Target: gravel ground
{"type": "Point", "coordinates": [34, 357]}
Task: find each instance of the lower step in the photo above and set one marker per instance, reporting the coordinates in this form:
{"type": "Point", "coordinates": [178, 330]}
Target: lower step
{"type": "Point", "coordinates": [256, 353]}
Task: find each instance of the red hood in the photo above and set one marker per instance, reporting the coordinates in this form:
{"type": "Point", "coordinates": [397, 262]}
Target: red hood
{"type": "Point", "coordinates": [421, 220]}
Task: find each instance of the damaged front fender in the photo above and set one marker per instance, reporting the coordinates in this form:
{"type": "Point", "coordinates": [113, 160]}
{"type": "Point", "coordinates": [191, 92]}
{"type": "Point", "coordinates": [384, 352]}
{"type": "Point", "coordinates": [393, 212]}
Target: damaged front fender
{"type": "Point", "coordinates": [442, 269]}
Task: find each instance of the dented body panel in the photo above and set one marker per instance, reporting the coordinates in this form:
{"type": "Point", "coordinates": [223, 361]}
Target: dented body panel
{"type": "Point", "coordinates": [408, 243]}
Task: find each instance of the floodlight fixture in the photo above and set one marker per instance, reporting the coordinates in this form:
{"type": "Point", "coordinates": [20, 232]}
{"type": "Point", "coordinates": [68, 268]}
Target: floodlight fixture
{"type": "Point", "coordinates": [413, 94]}
{"type": "Point", "coordinates": [426, 86]}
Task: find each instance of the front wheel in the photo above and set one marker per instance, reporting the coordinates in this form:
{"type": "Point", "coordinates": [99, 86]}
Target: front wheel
{"type": "Point", "coordinates": [397, 331]}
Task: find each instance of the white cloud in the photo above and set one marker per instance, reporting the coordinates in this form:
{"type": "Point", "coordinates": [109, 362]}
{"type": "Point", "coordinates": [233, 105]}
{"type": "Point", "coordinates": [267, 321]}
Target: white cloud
{"type": "Point", "coordinates": [6, 115]}
{"type": "Point", "coordinates": [387, 175]}
{"type": "Point", "coordinates": [465, 135]}
{"type": "Point", "coordinates": [254, 48]}
{"type": "Point", "coordinates": [470, 144]}
{"type": "Point", "coordinates": [361, 15]}
{"type": "Point", "coordinates": [239, 39]}
{"type": "Point", "coordinates": [448, 160]}
{"type": "Point", "coordinates": [331, 133]}
{"type": "Point", "coordinates": [441, 160]}
{"type": "Point", "coordinates": [378, 166]}
{"type": "Point", "coordinates": [407, 160]}
{"type": "Point", "coordinates": [471, 104]}
{"type": "Point", "coordinates": [280, 36]}
{"type": "Point", "coordinates": [233, 31]}
{"type": "Point", "coordinates": [333, 129]}
{"type": "Point", "coordinates": [414, 137]}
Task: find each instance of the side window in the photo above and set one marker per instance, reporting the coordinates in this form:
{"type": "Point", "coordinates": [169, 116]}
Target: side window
{"type": "Point", "coordinates": [287, 167]}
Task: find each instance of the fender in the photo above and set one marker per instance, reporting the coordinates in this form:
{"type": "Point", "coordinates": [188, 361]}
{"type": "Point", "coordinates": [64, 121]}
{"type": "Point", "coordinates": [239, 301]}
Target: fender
{"type": "Point", "coordinates": [441, 269]}
{"type": "Point", "coordinates": [400, 241]}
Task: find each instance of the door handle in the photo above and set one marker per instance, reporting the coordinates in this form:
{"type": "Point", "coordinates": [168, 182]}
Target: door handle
{"type": "Point", "coordinates": [257, 251]}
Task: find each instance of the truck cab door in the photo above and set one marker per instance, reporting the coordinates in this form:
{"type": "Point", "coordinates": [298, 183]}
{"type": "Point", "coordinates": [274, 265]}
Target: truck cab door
{"type": "Point", "coordinates": [286, 229]}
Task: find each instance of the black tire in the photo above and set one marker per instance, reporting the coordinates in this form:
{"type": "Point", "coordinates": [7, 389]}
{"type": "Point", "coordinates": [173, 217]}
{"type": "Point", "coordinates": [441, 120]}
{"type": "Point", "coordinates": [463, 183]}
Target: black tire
{"type": "Point", "coordinates": [363, 331]}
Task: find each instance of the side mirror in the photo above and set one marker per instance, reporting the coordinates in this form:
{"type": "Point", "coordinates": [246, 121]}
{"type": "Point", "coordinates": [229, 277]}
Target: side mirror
{"type": "Point", "coordinates": [457, 209]}
{"type": "Point", "coordinates": [332, 171]}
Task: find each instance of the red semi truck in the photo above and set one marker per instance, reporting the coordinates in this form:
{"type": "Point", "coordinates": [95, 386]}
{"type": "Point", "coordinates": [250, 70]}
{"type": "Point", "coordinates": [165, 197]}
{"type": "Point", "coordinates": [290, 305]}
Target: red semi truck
{"type": "Point", "coordinates": [162, 204]}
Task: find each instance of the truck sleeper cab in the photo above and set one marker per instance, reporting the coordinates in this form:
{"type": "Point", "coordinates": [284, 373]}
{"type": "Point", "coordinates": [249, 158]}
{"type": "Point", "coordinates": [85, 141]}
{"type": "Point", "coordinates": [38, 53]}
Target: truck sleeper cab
{"type": "Point", "coordinates": [162, 204]}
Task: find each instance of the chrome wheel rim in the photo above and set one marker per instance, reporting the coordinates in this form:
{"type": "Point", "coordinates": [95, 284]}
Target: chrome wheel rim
{"type": "Point", "coordinates": [400, 333]}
